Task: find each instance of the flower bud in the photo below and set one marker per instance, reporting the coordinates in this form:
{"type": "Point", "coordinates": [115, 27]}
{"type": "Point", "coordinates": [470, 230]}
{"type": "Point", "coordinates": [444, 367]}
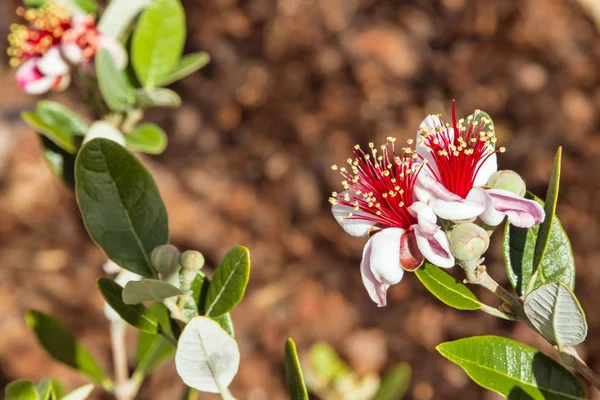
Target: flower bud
{"type": "Point", "coordinates": [192, 260]}
{"type": "Point", "coordinates": [165, 258]}
{"type": "Point", "coordinates": [468, 242]}
{"type": "Point", "coordinates": [507, 180]}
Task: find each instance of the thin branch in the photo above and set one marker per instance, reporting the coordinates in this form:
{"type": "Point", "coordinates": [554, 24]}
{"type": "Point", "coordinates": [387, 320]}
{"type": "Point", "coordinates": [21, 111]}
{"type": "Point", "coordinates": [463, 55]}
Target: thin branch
{"type": "Point", "coordinates": [119, 352]}
{"type": "Point", "coordinates": [574, 360]}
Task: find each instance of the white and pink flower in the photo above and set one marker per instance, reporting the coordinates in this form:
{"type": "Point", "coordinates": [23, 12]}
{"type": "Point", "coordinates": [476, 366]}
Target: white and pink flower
{"type": "Point", "coordinates": [53, 42]}
{"type": "Point", "coordinates": [458, 160]}
{"type": "Point", "coordinates": [378, 201]}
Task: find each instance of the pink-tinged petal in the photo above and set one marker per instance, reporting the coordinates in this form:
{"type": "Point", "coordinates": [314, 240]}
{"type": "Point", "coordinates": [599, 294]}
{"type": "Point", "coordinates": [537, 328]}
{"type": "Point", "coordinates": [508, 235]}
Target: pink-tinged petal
{"type": "Point", "coordinates": [377, 290]}
{"type": "Point", "coordinates": [72, 53]}
{"type": "Point", "coordinates": [116, 50]}
{"type": "Point", "coordinates": [456, 210]}
{"type": "Point", "coordinates": [61, 83]}
{"type": "Point", "coordinates": [52, 63]}
{"type": "Point", "coordinates": [31, 80]}
{"type": "Point", "coordinates": [486, 170]}
{"type": "Point", "coordinates": [523, 213]}
{"type": "Point", "coordinates": [426, 182]}
{"type": "Point", "coordinates": [421, 210]}
{"type": "Point", "coordinates": [385, 256]}
{"type": "Point", "coordinates": [435, 247]}
{"type": "Point", "coordinates": [490, 215]}
{"type": "Point", "coordinates": [353, 226]}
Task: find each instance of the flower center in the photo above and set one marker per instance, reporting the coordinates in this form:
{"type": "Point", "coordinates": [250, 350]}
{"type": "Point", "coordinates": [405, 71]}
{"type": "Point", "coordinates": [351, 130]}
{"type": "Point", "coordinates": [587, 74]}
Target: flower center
{"type": "Point", "coordinates": [379, 187]}
{"type": "Point", "coordinates": [459, 151]}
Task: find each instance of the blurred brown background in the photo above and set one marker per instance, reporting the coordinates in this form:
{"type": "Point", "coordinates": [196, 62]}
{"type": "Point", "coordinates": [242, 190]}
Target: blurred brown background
{"type": "Point", "coordinates": [292, 86]}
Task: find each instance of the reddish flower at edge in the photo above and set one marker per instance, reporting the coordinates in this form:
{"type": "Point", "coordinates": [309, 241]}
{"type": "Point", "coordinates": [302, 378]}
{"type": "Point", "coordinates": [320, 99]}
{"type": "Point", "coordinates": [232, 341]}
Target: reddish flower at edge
{"type": "Point", "coordinates": [378, 200]}
{"type": "Point", "coordinates": [459, 159]}
{"type": "Point", "coordinates": [53, 41]}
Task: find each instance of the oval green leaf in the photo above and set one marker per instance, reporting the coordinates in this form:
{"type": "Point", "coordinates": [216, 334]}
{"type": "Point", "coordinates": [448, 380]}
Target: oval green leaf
{"type": "Point", "coordinates": [228, 284]}
{"type": "Point", "coordinates": [120, 204]}
{"type": "Point", "coordinates": [187, 65]}
{"type": "Point", "coordinates": [62, 346]}
{"type": "Point", "coordinates": [207, 358]}
{"type": "Point", "coordinates": [156, 97]}
{"type": "Point", "coordinates": [21, 390]}
{"type": "Point", "coordinates": [147, 138]}
{"type": "Point", "coordinates": [512, 369]}
{"type": "Point", "coordinates": [293, 372]}
{"type": "Point", "coordinates": [59, 136]}
{"type": "Point", "coordinates": [59, 116]}
{"type": "Point", "coordinates": [136, 292]}
{"type": "Point", "coordinates": [557, 263]}
{"type": "Point", "coordinates": [114, 86]}
{"type": "Point", "coordinates": [556, 314]}
{"type": "Point", "coordinates": [446, 288]}
{"type": "Point", "coordinates": [158, 41]}
{"type": "Point", "coordinates": [136, 315]}
{"type": "Point", "coordinates": [395, 383]}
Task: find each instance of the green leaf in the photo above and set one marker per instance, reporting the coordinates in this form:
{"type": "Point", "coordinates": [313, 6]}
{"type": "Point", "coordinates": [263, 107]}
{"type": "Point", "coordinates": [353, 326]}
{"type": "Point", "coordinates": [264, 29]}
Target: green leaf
{"type": "Point", "coordinates": [81, 393]}
{"type": "Point", "coordinates": [119, 14]}
{"type": "Point", "coordinates": [326, 363]}
{"type": "Point", "coordinates": [226, 323]}
{"type": "Point", "coordinates": [293, 373]}
{"type": "Point", "coordinates": [59, 136]}
{"type": "Point", "coordinates": [512, 369]}
{"type": "Point", "coordinates": [61, 163]}
{"type": "Point", "coordinates": [187, 65]}
{"type": "Point", "coordinates": [87, 6]}
{"type": "Point", "coordinates": [62, 346]}
{"type": "Point", "coordinates": [152, 350]}
{"type": "Point", "coordinates": [158, 41]}
{"type": "Point", "coordinates": [156, 97]}
{"type": "Point", "coordinates": [228, 284]}
{"type": "Point", "coordinates": [446, 288]}
{"type": "Point", "coordinates": [57, 115]}
{"type": "Point", "coordinates": [148, 138]}
{"type": "Point", "coordinates": [50, 389]}
{"type": "Point", "coordinates": [33, 3]}
{"type": "Point", "coordinates": [395, 383]}
{"type": "Point", "coordinates": [556, 314]}
{"type": "Point", "coordinates": [198, 287]}
{"type": "Point", "coordinates": [545, 228]}
{"type": "Point", "coordinates": [114, 86]}
{"type": "Point", "coordinates": [136, 315]}
{"type": "Point", "coordinates": [120, 204]}
{"type": "Point", "coordinates": [20, 390]}
{"type": "Point", "coordinates": [136, 292]}
{"type": "Point", "coordinates": [557, 264]}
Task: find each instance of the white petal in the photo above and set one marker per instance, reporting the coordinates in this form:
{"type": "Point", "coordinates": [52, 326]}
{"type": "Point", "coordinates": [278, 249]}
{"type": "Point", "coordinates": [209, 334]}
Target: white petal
{"type": "Point", "coordinates": [456, 210]}
{"type": "Point", "coordinates": [353, 227]}
{"type": "Point", "coordinates": [521, 212]}
{"type": "Point", "coordinates": [426, 182]}
{"type": "Point", "coordinates": [72, 53]}
{"type": "Point", "coordinates": [116, 50]}
{"type": "Point", "coordinates": [422, 210]}
{"type": "Point", "coordinates": [52, 63]}
{"type": "Point", "coordinates": [486, 170]}
{"type": "Point", "coordinates": [490, 215]}
{"type": "Point", "coordinates": [61, 82]}
{"type": "Point", "coordinates": [31, 80]}
{"type": "Point", "coordinates": [385, 256]}
{"type": "Point", "coordinates": [101, 129]}
{"type": "Point", "coordinates": [377, 290]}
{"type": "Point", "coordinates": [434, 247]}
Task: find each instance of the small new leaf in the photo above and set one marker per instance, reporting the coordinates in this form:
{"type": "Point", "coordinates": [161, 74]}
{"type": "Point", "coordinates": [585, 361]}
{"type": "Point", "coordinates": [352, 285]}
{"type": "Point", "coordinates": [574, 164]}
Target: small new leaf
{"type": "Point", "coordinates": [21, 390]}
{"type": "Point", "coordinates": [147, 138]}
{"type": "Point", "coordinates": [136, 292]}
{"type": "Point", "coordinates": [293, 372]}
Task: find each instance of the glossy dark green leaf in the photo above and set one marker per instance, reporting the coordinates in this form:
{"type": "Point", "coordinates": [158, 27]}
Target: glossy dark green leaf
{"type": "Point", "coordinates": [120, 204]}
{"type": "Point", "coordinates": [187, 65]}
{"type": "Point", "coordinates": [226, 323]}
{"type": "Point", "coordinates": [556, 314]}
{"type": "Point", "coordinates": [513, 369]}
{"type": "Point", "coordinates": [158, 41]}
{"type": "Point", "coordinates": [62, 346]}
{"type": "Point", "coordinates": [293, 372]}
{"type": "Point", "coordinates": [156, 97]}
{"type": "Point", "coordinates": [446, 288]}
{"type": "Point", "coordinates": [147, 138]}
{"type": "Point", "coordinates": [543, 238]}
{"type": "Point", "coordinates": [59, 136]}
{"type": "Point", "coordinates": [228, 284]}
{"type": "Point", "coordinates": [557, 264]}
{"type": "Point", "coordinates": [136, 315]}
{"type": "Point", "coordinates": [114, 86]}
{"type": "Point", "coordinates": [21, 390]}
{"type": "Point", "coordinates": [395, 383]}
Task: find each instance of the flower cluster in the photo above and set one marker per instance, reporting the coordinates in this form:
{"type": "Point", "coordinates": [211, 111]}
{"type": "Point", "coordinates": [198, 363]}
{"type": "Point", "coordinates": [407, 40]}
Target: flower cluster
{"type": "Point", "coordinates": [405, 202]}
{"type": "Point", "coordinates": [54, 41]}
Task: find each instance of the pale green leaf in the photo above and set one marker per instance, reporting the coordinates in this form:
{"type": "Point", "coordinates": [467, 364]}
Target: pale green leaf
{"type": "Point", "coordinates": [187, 65]}
{"type": "Point", "coordinates": [446, 288]}
{"type": "Point", "coordinates": [136, 292]}
{"type": "Point", "coordinates": [293, 372]}
{"type": "Point", "coordinates": [147, 138]}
